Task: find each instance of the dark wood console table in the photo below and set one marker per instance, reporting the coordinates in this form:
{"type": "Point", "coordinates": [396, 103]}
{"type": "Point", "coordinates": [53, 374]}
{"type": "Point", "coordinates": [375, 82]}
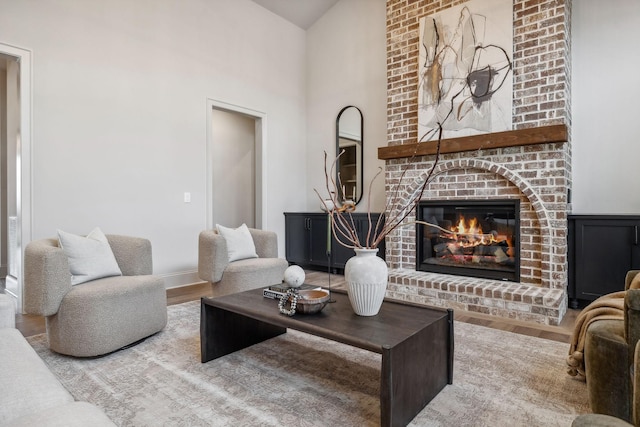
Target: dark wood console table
{"type": "Point", "coordinates": [306, 239]}
{"type": "Point", "coordinates": [416, 342]}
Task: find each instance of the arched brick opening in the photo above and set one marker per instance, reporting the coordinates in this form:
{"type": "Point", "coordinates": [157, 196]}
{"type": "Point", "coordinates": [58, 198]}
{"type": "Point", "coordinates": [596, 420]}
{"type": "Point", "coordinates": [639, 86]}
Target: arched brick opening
{"type": "Point", "coordinates": [525, 192]}
{"type": "Point", "coordinates": [540, 295]}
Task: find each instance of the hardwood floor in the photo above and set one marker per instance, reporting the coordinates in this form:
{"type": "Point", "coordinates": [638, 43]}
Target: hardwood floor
{"type": "Point", "coordinates": [33, 325]}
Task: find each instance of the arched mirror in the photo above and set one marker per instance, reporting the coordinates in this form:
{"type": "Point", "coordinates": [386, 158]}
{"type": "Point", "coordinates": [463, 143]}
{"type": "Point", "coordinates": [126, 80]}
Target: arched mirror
{"type": "Point", "coordinates": [349, 125]}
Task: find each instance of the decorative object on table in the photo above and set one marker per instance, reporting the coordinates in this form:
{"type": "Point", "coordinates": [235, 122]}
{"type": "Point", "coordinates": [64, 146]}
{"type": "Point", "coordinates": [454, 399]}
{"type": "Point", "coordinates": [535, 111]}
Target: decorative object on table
{"type": "Point", "coordinates": [291, 296]}
{"type": "Point", "coordinates": [399, 207]}
{"type": "Point", "coordinates": [329, 254]}
{"type": "Point", "coordinates": [276, 291]}
{"type": "Point", "coordinates": [271, 293]}
{"type": "Point", "coordinates": [294, 276]}
{"type": "Point", "coordinates": [366, 275]}
{"type": "Point", "coordinates": [312, 301]}
{"type": "Point", "coordinates": [307, 301]}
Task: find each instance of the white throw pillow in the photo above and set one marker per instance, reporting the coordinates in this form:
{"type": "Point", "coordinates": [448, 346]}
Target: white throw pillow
{"type": "Point", "coordinates": [239, 242]}
{"type": "Point", "coordinates": [90, 257]}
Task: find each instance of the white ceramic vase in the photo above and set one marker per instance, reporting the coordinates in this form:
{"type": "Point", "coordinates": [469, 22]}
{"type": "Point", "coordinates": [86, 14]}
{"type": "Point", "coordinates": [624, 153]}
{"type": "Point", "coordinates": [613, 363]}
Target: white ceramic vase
{"type": "Point", "coordinates": [366, 275]}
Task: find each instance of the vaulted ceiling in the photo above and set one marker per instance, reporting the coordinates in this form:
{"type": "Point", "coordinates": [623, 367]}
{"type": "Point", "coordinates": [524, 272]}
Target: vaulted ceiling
{"type": "Point", "coordinates": [302, 13]}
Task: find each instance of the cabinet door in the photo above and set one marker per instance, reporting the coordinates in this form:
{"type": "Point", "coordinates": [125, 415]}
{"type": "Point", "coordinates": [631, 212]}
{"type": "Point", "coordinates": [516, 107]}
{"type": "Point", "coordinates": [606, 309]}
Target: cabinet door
{"type": "Point", "coordinates": [605, 251]}
{"type": "Point", "coordinates": [307, 235]}
{"type": "Point", "coordinates": [296, 238]}
{"type": "Point", "coordinates": [340, 254]}
{"type": "Point", "coordinates": [318, 240]}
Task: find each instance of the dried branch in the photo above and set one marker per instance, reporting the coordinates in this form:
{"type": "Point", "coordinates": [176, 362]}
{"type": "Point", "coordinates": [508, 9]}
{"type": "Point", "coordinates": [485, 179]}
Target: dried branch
{"type": "Point", "coordinates": [397, 209]}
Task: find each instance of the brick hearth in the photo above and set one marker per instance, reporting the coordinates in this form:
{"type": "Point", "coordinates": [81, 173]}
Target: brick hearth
{"type": "Point", "coordinates": [539, 175]}
{"type": "Point", "coordinates": [510, 300]}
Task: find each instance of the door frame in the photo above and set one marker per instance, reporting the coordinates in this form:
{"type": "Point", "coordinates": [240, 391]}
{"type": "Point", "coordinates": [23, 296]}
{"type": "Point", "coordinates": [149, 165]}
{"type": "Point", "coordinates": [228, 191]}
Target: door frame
{"type": "Point", "coordinates": [23, 178]}
{"type": "Point", "coordinates": [260, 145]}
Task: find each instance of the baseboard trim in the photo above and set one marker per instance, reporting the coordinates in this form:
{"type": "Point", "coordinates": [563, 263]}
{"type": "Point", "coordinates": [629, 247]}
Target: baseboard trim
{"type": "Point", "coordinates": [179, 279]}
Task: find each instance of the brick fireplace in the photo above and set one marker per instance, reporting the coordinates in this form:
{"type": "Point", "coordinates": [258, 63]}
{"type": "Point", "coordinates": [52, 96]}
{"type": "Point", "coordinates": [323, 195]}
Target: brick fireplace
{"type": "Point", "coordinates": [530, 163]}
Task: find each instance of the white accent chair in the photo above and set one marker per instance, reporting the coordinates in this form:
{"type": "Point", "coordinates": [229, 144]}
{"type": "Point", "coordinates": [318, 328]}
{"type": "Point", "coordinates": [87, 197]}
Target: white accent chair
{"type": "Point", "coordinates": [7, 312]}
{"type": "Point", "coordinates": [241, 275]}
{"type": "Point", "coordinates": [31, 394]}
{"type": "Point", "coordinates": [99, 316]}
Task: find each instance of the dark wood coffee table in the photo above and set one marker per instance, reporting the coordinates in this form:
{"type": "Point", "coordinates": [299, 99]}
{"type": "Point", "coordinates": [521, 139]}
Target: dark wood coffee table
{"type": "Point", "coordinates": [416, 342]}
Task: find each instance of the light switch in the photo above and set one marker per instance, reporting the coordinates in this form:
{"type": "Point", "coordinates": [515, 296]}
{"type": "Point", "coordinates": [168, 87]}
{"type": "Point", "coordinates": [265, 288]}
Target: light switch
{"type": "Point", "coordinates": [187, 197]}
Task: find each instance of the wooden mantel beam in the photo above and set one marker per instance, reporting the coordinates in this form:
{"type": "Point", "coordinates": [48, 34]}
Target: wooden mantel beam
{"type": "Point", "coordinates": [511, 138]}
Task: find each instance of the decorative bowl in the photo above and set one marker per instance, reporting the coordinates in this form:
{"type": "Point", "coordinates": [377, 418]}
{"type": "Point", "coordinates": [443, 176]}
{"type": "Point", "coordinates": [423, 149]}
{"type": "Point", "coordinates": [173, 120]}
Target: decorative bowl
{"type": "Point", "coordinates": [312, 301]}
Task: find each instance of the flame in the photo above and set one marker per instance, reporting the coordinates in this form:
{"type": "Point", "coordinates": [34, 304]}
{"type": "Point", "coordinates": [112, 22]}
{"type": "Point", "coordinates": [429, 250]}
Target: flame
{"type": "Point", "coordinates": [472, 235]}
{"type": "Point", "coordinates": [473, 230]}
{"type": "Point", "coordinates": [466, 242]}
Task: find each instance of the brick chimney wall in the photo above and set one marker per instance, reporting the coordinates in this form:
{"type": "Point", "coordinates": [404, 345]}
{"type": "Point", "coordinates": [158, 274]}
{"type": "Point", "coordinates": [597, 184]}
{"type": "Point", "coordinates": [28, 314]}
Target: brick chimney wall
{"type": "Point", "coordinates": [539, 175]}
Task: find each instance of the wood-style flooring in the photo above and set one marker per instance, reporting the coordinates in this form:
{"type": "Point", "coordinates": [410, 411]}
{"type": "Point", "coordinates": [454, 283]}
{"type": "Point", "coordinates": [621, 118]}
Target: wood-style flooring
{"type": "Point", "coordinates": [33, 325]}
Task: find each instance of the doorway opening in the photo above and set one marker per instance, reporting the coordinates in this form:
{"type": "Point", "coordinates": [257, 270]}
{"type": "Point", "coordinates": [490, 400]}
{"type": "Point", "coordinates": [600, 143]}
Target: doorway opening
{"type": "Point", "coordinates": [236, 139]}
{"type": "Point", "coordinates": [15, 165]}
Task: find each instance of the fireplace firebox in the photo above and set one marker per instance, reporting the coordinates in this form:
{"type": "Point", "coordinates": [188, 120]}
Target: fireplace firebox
{"type": "Point", "coordinates": [479, 238]}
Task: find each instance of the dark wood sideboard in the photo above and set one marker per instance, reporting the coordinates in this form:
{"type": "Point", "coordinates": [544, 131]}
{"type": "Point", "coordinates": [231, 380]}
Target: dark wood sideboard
{"type": "Point", "coordinates": [602, 248]}
{"type": "Point", "coordinates": [306, 238]}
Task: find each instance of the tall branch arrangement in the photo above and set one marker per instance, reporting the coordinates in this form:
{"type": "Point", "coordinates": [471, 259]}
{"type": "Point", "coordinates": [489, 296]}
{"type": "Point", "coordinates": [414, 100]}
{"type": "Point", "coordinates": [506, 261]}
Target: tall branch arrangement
{"type": "Point", "coordinates": [469, 76]}
{"type": "Point", "coordinates": [397, 208]}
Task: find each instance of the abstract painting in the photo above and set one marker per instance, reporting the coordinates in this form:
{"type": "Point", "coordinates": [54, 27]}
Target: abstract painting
{"type": "Point", "coordinates": [465, 69]}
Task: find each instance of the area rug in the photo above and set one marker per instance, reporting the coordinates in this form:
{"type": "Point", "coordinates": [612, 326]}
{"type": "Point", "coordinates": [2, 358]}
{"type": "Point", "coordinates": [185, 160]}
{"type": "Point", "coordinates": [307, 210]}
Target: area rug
{"type": "Point", "coordinates": [500, 379]}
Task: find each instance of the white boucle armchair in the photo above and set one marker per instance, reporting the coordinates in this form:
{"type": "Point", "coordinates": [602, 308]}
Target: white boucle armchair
{"type": "Point", "coordinates": [99, 316]}
{"type": "Point", "coordinates": [31, 394]}
{"type": "Point", "coordinates": [241, 275]}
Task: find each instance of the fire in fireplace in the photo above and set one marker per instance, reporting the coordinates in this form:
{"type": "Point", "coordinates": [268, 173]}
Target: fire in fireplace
{"type": "Point", "coordinates": [477, 238]}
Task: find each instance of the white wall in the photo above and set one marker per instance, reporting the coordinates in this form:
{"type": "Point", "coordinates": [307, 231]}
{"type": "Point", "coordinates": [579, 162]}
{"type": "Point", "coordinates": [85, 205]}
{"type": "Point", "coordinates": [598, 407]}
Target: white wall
{"type": "Point", "coordinates": [346, 65]}
{"type": "Point", "coordinates": [120, 91]}
{"type": "Point", "coordinates": [3, 167]}
{"type": "Point", "coordinates": [605, 92]}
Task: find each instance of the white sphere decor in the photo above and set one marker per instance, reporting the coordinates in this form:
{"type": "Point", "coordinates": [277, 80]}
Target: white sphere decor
{"type": "Point", "coordinates": [294, 276]}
